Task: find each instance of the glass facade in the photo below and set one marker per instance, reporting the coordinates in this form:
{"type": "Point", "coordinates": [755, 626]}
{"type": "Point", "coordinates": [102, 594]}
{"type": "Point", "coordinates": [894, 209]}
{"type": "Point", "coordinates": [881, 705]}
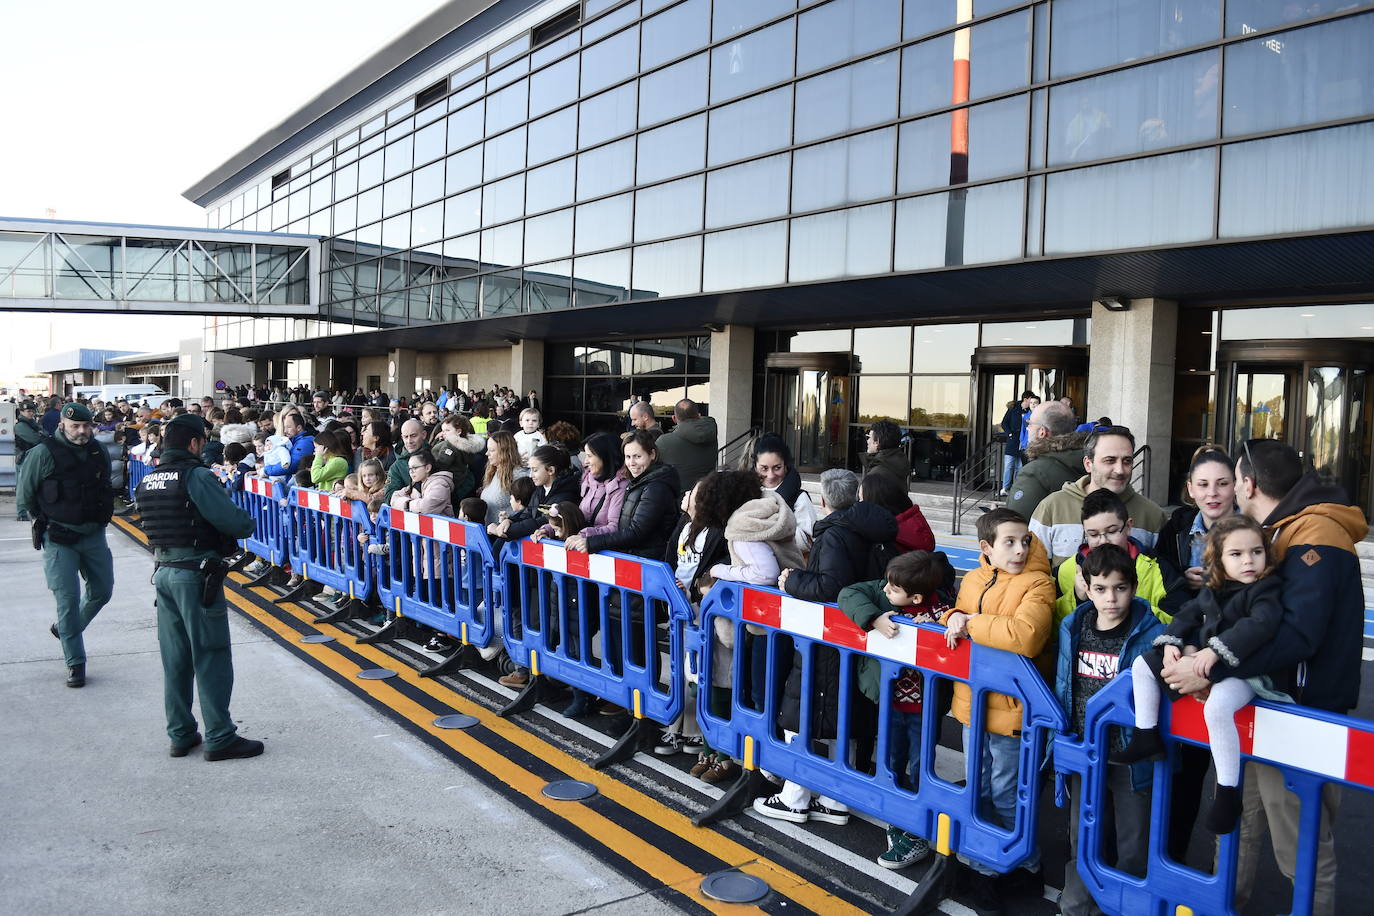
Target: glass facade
{"type": "Point", "coordinates": [593, 385]}
{"type": "Point", "coordinates": [672, 149]}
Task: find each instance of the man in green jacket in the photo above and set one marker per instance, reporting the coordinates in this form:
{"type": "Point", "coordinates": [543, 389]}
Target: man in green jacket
{"type": "Point", "coordinates": [398, 476]}
{"type": "Point", "coordinates": [1055, 457]}
{"type": "Point", "coordinates": [192, 525]}
{"type": "Point", "coordinates": [64, 483]}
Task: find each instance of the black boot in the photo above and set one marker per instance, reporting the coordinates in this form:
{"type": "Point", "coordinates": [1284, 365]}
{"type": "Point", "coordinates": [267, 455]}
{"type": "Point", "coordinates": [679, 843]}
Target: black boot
{"type": "Point", "coordinates": [239, 748]}
{"type": "Point", "coordinates": [181, 750]}
{"type": "Point", "coordinates": [1225, 811]}
{"type": "Point", "coordinates": [76, 676]}
{"type": "Point", "coordinates": [1145, 745]}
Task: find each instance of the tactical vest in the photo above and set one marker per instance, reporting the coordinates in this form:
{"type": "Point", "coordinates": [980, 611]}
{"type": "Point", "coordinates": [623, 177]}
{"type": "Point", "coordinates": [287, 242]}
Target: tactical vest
{"type": "Point", "coordinates": [78, 489]}
{"type": "Point", "coordinates": [21, 447]}
{"type": "Point", "coordinates": [170, 518]}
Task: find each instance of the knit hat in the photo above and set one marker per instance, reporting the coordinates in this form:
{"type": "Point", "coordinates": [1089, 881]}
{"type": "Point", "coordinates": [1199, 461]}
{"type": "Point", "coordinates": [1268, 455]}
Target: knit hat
{"type": "Point", "coordinates": [78, 412]}
{"type": "Point", "coordinates": [236, 432]}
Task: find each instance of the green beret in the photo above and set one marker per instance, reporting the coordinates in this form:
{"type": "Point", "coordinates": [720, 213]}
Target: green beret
{"type": "Point", "coordinates": [76, 411]}
{"type": "Point", "coordinates": [192, 424]}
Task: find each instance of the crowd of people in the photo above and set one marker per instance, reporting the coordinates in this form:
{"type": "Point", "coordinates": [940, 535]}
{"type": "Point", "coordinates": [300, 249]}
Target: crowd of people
{"type": "Point", "coordinates": [1252, 588]}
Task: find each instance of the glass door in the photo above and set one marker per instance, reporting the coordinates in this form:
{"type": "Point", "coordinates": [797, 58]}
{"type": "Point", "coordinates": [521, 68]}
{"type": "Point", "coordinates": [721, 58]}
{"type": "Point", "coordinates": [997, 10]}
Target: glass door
{"type": "Point", "coordinates": [808, 404]}
{"type": "Point", "coordinates": [998, 387]}
{"type": "Point", "coordinates": [1262, 398]}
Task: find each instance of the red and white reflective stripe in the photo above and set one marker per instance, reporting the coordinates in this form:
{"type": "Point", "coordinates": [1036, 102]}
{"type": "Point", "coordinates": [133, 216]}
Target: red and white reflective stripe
{"type": "Point", "coordinates": [323, 502]}
{"type": "Point", "coordinates": [1289, 739]}
{"type": "Point", "coordinates": [259, 486]}
{"type": "Point", "coordinates": [825, 622]}
{"type": "Point", "coordinates": [594, 566]}
{"type": "Point", "coordinates": [430, 526]}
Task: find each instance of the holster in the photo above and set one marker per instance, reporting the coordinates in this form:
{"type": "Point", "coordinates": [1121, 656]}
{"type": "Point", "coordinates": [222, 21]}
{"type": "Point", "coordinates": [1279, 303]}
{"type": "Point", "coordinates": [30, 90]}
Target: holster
{"type": "Point", "coordinates": [39, 527]}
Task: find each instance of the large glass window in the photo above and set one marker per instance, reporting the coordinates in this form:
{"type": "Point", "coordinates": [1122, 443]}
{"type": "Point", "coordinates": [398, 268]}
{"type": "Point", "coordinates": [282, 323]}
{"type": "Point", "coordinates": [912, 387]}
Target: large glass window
{"type": "Point", "coordinates": [501, 247]}
{"type": "Point", "coordinates": [604, 224]}
{"type": "Point", "coordinates": [920, 17]}
{"type": "Point", "coordinates": [939, 401]}
{"type": "Point", "coordinates": [751, 62]}
{"type": "Point", "coordinates": [430, 142]}
{"type": "Point", "coordinates": [960, 227]}
{"type": "Point", "coordinates": [610, 61]}
{"type": "Point", "coordinates": [463, 170]}
{"type": "Point", "coordinates": [673, 91]}
{"type": "Point", "coordinates": [465, 126]}
{"type": "Point", "coordinates": [668, 268]}
{"type": "Point", "coordinates": [606, 170]}
{"type": "Point", "coordinates": [396, 196]}
{"type": "Point", "coordinates": [462, 213]}
{"type": "Point", "coordinates": [553, 135]}
{"type": "Point", "coordinates": [744, 193]}
{"type": "Point", "coordinates": [504, 154]}
{"type": "Point", "coordinates": [739, 258]}
{"type": "Point", "coordinates": [758, 124]}
{"type": "Point", "coordinates": [400, 156]}
{"type": "Point", "coordinates": [427, 225]}
{"type": "Point", "coordinates": [999, 60]}
{"type": "Point", "coordinates": [428, 183]}
{"type": "Point", "coordinates": [843, 171]}
{"type": "Point", "coordinates": [1315, 180]}
{"type": "Point", "coordinates": [607, 115]}
{"type": "Point", "coordinates": [1170, 103]}
{"type": "Point", "coordinates": [507, 107]}
{"type": "Point", "coordinates": [503, 200]}
{"type": "Point", "coordinates": [844, 243]}
{"type": "Point", "coordinates": [602, 278]}
{"type": "Point", "coordinates": [944, 347]}
{"type": "Point", "coordinates": [553, 86]}
{"type": "Point", "coordinates": [1321, 73]}
{"type": "Point", "coordinates": [732, 18]}
{"type": "Point", "coordinates": [669, 209]}
{"type": "Point", "coordinates": [672, 150]}
{"type": "Point", "coordinates": [550, 186]}
{"type": "Point", "coordinates": [549, 236]}
{"type": "Point", "coordinates": [1088, 34]}
{"type": "Point", "coordinates": [883, 397]}
{"type": "Point", "coordinates": [1120, 205]}
{"type": "Point", "coordinates": [671, 34]}
{"type": "Point", "coordinates": [843, 29]}
{"type": "Point", "coordinates": [369, 206]}
{"type": "Point", "coordinates": [1244, 16]}
{"type": "Point", "coordinates": [370, 170]}
{"type": "Point", "coordinates": [882, 350]}
{"type": "Point", "coordinates": [850, 97]}
{"type": "Point", "coordinates": [994, 146]}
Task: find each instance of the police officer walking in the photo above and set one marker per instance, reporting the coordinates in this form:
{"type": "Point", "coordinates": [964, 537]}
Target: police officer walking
{"type": "Point", "coordinates": [27, 434]}
{"type": "Point", "coordinates": [64, 483]}
{"type": "Point", "coordinates": [192, 525]}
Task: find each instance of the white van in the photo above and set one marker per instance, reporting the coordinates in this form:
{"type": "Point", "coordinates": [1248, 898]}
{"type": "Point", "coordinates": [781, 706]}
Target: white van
{"type": "Point", "coordinates": [134, 394]}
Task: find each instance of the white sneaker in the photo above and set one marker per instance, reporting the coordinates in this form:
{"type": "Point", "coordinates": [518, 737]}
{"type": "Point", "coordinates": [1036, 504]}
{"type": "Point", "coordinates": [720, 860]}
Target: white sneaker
{"type": "Point", "coordinates": [773, 807]}
{"type": "Point", "coordinates": [818, 812]}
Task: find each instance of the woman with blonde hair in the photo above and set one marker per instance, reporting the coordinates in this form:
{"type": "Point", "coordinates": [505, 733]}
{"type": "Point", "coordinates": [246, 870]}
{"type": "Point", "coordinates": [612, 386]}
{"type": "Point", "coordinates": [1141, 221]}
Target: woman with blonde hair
{"type": "Point", "coordinates": [503, 466]}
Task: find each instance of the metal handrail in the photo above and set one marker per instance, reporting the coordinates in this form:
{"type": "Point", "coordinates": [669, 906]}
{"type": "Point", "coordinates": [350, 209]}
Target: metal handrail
{"type": "Point", "coordinates": [1140, 475]}
{"type": "Point", "coordinates": [976, 476]}
{"type": "Point", "coordinates": [743, 443]}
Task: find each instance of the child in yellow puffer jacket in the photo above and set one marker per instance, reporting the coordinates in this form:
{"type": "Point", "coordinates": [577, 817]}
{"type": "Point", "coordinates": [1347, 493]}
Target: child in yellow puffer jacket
{"type": "Point", "coordinates": [1006, 603]}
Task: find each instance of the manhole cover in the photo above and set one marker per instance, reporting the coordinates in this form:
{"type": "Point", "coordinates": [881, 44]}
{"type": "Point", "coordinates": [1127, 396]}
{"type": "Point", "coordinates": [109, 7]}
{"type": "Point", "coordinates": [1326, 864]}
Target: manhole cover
{"type": "Point", "coordinates": [457, 720]}
{"type": "Point", "coordinates": [376, 674]}
{"type": "Point", "coordinates": [569, 790]}
{"type": "Point", "coordinates": [734, 887]}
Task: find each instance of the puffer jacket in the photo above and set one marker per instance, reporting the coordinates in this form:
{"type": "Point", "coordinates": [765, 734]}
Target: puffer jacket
{"type": "Point", "coordinates": [913, 531]}
{"type": "Point", "coordinates": [563, 488]}
{"type": "Point", "coordinates": [601, 502]}
{"type": "Point", "coordinates": [1145, 626]}
{"type": "Point", "coordinates": [1010, 612]}
{"type": "Point", "coordinates": [1313, 531]}
{"type": "Point", "coordinates": [1050, 463]}
{"type": "Point", "coordinates": [433, 497]}
{"type": "Point", "coordinates": [459, 459]}
{"type": "Point", "coordinates": [767, 522]}
{"type": "Point", "coordinates": [647, 516]}
{"type": "Point", "coordinates": [841, 552]}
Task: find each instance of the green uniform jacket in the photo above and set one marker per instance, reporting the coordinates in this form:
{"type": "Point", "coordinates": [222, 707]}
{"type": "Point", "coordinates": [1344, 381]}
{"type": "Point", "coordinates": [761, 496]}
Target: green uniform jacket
{"type": "Point", "coordinates": [28, 432]}
{"type": "Point", "coordinates": [212, 499]}
{"type": "Point", "coordinates": [1053, 462]}
{"type": "Point", "coordinates": [1149, 586]}
{"type": "Point", "coordinates": [38, 464]}
{"type": "Point", "coordinates": [397, 476]}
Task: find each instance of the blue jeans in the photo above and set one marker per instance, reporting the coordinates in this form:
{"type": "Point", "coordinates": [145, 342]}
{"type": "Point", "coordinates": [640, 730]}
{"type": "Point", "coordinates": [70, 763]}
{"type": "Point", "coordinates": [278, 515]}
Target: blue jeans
{"type": "Point", "coordinates": [998, 774]}
{"type": "Point", "coordinates": [904, 746]}
{"type": "Point", "coordinates": [1011, 465]}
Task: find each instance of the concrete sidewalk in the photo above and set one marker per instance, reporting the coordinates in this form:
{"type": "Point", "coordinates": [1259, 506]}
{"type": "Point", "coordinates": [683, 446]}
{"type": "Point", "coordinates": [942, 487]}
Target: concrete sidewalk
{"type": "Point", "coordinates": [344, 813]}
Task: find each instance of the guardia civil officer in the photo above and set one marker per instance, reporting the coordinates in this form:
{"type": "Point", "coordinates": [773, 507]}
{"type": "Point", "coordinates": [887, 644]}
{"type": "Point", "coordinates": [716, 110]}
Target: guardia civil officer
{"type": "Point", "coordinates": [27, 434]}
{"type": "Point", "coordinates": [191, 524]}
{"type": "Point", "coordinates": [64, 484]}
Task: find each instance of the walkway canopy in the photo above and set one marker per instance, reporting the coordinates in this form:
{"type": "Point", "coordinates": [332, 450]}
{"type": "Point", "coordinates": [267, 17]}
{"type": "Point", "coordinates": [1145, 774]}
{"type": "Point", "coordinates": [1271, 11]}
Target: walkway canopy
{"type": "Point", "coordinates": [63, 266]}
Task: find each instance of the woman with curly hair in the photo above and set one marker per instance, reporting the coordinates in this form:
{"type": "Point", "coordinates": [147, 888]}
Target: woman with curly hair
{"type": "Point", "coordinates": [503, 466]}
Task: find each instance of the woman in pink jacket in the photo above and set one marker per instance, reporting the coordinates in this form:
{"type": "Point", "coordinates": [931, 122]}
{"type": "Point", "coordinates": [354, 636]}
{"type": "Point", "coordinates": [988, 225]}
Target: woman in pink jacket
{"type": "Point", "coordinates": [604, 483]}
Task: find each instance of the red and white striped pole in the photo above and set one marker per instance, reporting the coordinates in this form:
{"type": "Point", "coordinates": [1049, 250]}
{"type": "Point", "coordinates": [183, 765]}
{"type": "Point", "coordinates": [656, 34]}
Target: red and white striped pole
{"type": "Point", "coordinates": [958, 137]}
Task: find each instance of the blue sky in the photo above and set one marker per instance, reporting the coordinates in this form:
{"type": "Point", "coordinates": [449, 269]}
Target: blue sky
{"type": "Point", "coordinates": [110, 110]}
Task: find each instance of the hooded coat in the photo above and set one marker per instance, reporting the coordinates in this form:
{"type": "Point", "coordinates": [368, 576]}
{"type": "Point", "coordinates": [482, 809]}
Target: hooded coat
{"type": "Point", "coordinates": [458, 460]}
{"type": "Point", "coordinates": [842, 551]}
{"type": "Point", "coordinates": [1318, 647]}
{"type": "Point", "coordinates": [913, 531]}
{"type": "Point", "coordinates": [1233, 621]}
{"type": "Point", "coordinates": [1051, 463]}
{"type": "Point", "coordinates": [692, 447]}
{"type": "Point", "coordinates": [1058, 520]}
{"type": "Point", "coordinates": [760, 535]}
{"type": "Point", "coordinates": [432, 497]}
{"type": "Point", "coordinates": [1009, 612]}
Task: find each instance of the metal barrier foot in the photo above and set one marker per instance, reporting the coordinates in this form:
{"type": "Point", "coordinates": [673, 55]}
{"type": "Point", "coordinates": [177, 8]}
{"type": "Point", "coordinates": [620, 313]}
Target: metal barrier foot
{"type": "Point", "coordinates": [392, 629]}
{"type": "Point", "coordinates": [346, 611]}
{"type": "Point", "coordinates": [305, 590]}
{"type": "Point", "coordinates": [739, 796]}
{"type": "Point", "coordinates": [269, 576]}
{"type": "Point", "coordinates": [459, 660]}
{"type": "Point", "coordinates": [525, 699]}
{"type": "Point", "coordinates": [935, 885]}
{"type": "Point", "coordinates": [623, 749]}
{"type": "Point", "coordinates": [244, 558]}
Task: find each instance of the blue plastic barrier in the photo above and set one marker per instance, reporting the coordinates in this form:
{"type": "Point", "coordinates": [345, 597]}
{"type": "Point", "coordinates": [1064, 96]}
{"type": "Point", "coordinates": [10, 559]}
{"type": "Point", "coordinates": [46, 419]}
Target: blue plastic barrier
{"type": "Point", "coordinates": [557, 600]}
{"type": "Point", "coordinates": [941, 811]}
{"type": "Point", "coordinates": [271, 539]}
{"type": "Point", "coordinates": [325, 546]}
{"type": "Point", "coordinates": [440, 572]}
{"type": "Point", "coordinates": [1311, 747]}
{"type": "Point", "coordinates": [135, 471]}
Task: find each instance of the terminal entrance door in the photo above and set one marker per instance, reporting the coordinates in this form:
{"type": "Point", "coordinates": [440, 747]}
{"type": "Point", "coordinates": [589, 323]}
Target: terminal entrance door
{"type": "Point", "coordinates": [1003, 373]}
{"type": "Point", "coordinates": [806, 398]}
{"type": "Point", "coordinates": [1314, 395]}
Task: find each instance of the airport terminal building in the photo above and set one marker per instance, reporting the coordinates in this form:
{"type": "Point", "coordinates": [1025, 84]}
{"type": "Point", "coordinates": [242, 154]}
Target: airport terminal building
{"type": "Point", "coordinates": [808, 215]}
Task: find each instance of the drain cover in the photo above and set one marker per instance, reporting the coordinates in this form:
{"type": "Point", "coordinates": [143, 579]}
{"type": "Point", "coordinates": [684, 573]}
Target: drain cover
{"type": "Point", "coordinates": [734, 887]}
{"type": "Point", "coordinates": [318, 637]}
{"type": "Point", "coordinates": [376, 674]}
{"type": "Point", "coordinates": [457, 720]}
{"type": "Point", "coordinates": [569, 790]}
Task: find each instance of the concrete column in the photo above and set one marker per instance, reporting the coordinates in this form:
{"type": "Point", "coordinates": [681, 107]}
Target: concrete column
{"type": "Point", "coordinates": [527, 368]}
{"type": "Point", "coordinates": [262, 373]}
{"type": "Point", "coordinates": [319, 373]}
{"type": "Point", "coordinates": [1131, 377]}
{"type": "Point", "coordinates": [400, 373]}
{"type": "Point", "coordinates": [732, 380]}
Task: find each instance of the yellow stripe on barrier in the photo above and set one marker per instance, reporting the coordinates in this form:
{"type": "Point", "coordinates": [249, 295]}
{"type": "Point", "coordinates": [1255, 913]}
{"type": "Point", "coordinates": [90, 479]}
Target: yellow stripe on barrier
{"type": "Point", "coordinates": [1182, 910]}
{"type": "Point", "coordinates": [748, 752]}
{"type": "Point", "coordinates": [350, 589]}
{"type": "Point", "coordinates": [942, 834]}
{"type": "Point", "coordinates": [639, 712]}
{"type": "Point", "coordinates": [534, 663]}
{"type": "Point", "coordinates": [463, 635]}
